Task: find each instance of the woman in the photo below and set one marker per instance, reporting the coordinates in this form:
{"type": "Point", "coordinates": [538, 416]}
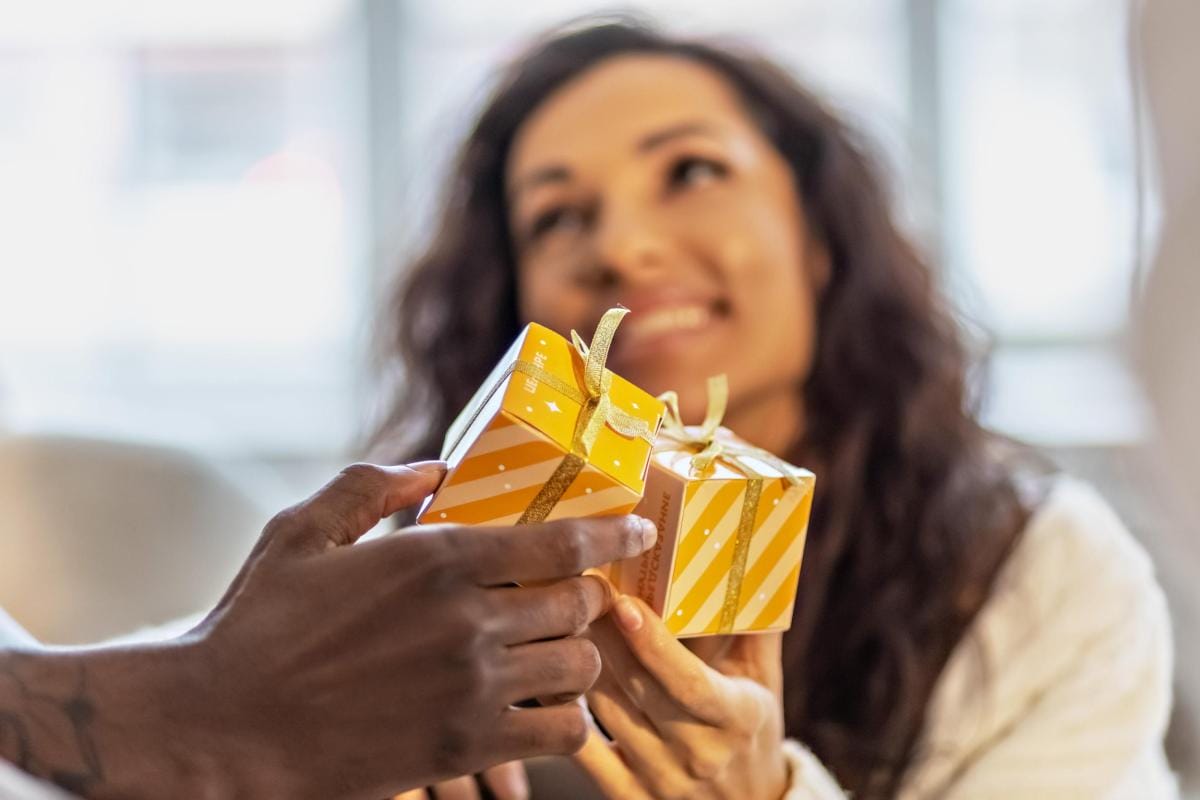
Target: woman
{"type": "Point", "coordinates": [963, 627]}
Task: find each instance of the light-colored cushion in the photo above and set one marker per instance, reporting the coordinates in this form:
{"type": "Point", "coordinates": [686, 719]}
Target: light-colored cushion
{"type": "Point", "coordinates": [98, 538]}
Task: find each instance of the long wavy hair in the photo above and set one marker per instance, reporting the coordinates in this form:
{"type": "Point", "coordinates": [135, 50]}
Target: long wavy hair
{"type": "Point", "coordinates": [914, 512]}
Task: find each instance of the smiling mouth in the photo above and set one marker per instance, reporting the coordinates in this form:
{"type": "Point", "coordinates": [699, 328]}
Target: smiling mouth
{"type": "Point", "coordinates": [645, 333]}
{"type": "Point", "coordinates": [667, 320]}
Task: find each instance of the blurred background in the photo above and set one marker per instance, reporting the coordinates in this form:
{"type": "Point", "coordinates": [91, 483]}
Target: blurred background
{"type": "Point", "coordinates": [201, 202]}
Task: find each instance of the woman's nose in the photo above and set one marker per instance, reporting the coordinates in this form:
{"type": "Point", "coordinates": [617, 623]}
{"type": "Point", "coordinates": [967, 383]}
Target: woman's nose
{"type": "Point", "coordinates": [630, 247]}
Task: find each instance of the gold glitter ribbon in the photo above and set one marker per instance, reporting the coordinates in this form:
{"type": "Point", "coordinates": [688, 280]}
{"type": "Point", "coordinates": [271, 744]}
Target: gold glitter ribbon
{"type": "Point", "coordinates": [596, 411]}
{"type": "Point", "coordinates": [703, 439]}
{"type": "Point", "coordinates": [707, 449]}
{"type": "Point", "coordinates": [741, 549]}
{"type": "Point", "coordinates": [603, 411]}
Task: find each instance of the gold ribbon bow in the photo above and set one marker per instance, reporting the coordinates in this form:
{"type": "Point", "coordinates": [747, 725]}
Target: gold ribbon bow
{"type": "Point", "coordinates": [707, 449]}
{"type": "Point", "coordinates": [703, 438]}
{"type": "Point", "coordinates": [597, 410]}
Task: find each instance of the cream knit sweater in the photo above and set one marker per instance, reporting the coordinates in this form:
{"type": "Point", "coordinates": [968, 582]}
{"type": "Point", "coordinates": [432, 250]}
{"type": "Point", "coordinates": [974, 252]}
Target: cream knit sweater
{"type": "Point", "coordinates": [1062, 687]}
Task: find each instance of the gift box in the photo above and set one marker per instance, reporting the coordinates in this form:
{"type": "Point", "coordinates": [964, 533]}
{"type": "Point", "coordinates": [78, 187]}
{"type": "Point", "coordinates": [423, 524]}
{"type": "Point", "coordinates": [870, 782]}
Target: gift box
{"type": "Point", "coordinates": [732, 521]}
{"type": "Point", "coordinates": [551, 433]}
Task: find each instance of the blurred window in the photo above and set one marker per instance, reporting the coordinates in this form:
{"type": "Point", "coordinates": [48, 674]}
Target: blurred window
{"type": "Point", "coordinates": [197, 199]}
{"type": "Point", "coordinates": [178, 188]}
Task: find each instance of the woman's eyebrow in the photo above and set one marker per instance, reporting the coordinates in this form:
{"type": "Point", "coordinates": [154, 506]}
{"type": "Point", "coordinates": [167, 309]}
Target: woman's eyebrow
{"type": "Point", "coordinates": [557, 173]}
{"type": "Point", "coordinates": [553, 173]}
{"type": "Point", "coordinates": [652, 140]}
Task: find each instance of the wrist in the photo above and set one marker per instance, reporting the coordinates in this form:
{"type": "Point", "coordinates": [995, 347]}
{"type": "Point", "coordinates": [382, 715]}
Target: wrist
{"type": "Point", "coordinates": [779, 774]}
{"type": "Point", "coordinates": [96, 722]}
{"type": "Point", "coordinates": [776, 769]}
{"type": "Point", "coordinates": [141, 717]}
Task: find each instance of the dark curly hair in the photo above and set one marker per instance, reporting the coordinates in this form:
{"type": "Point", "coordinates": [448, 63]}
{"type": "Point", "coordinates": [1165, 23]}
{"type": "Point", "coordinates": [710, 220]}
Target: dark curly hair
{"type": "Point", "coordinates": [915, 512]}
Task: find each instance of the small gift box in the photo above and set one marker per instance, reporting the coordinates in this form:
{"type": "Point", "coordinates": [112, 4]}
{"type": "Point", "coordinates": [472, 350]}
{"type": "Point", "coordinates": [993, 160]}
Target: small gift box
{"type": "Point", "coordinates": [552, 433]}
{"type": "Point", "coordinates": [731, 519]}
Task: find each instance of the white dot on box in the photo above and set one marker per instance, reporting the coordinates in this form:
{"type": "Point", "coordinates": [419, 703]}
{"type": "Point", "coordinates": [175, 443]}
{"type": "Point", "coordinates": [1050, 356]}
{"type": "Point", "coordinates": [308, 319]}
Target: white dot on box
{"type": "Point", "coordinates": [616, 463]}
{"type": "Point", "coordinates": [442, 515]}
{"type": "Point", "coordinates": [635, 406]}
{"type": "Point", "coordinates": [588, 490]}
{"type": "Point", "coordinates": [542, 342]}
{"type": "Point", "coordinates": [716, 545]}
{"type": "Point", "coordinates": [707, 531]}
{"type": "Point", "coordinates": [775, 502]}
{"type": "Point", "coordinates": [528, 409]}
{"type": "Point", "coordinates": [679, 613]}
{"type": "Point", "coordinates": [501, 468]}
{"type": "Point", "coordinates": [508, 487]}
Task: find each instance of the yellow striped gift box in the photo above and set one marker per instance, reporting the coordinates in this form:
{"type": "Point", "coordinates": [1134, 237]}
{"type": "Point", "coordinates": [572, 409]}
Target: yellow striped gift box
{"type": "Point", "coordinates": [514, 450]}
{"type": "Point", "coordinates": [730, 543]}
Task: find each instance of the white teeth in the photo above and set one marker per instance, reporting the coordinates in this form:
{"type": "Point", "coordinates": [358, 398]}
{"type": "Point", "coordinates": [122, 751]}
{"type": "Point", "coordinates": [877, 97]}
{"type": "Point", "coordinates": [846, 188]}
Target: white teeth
{"type": "Point", "coordinates": [683, 318]}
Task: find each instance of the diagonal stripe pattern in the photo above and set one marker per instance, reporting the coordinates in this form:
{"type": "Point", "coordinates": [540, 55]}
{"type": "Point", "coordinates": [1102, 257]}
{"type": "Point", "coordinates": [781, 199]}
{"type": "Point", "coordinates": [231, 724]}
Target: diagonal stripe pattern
{"type": "Point", "coordinates": [503, 471]}
{"type": "Point", "coordinates": [704, 556]}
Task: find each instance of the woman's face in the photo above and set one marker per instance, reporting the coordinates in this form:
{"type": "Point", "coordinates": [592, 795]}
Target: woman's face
{"type": "Point", "coordinates": [644, 183]}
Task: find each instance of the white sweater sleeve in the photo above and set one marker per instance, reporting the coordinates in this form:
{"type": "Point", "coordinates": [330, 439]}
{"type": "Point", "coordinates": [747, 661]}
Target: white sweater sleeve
{"type": "Point", "coordinates": [807, 777]}
{"type": "Point", "coordinates": [1061, 687]}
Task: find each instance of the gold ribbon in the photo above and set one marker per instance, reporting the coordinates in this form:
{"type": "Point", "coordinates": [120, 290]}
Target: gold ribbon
{"type": "Point", "coordinates": [741, 550]}
{"type": "Point", "coordinates": [703, 439]}
{"type": "Point", "coordinates": [622, 422]}
{"type": "Point", "coordinates": [707, 449]}
{"type": "Point", "coordinates": [596, 411]}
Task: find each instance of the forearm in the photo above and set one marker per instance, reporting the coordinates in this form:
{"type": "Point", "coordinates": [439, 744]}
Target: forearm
{"type": "Point", "coordinates": [102, 723]}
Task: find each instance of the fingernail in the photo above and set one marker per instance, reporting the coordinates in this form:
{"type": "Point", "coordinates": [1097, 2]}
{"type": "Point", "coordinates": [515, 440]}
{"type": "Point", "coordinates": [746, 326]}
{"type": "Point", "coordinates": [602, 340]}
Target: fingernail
{"type": "Point", "coordinates": [428, 467]}
{"type": "Point", "coordinates": [629, 616]}
{"type": "Point", "coordinates": [649, 534]}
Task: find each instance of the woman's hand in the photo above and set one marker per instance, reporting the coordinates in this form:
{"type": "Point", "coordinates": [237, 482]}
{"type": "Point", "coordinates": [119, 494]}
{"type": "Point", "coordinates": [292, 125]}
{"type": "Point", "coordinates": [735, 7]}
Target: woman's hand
{"type": "Point", "coordinates": [683, 727]}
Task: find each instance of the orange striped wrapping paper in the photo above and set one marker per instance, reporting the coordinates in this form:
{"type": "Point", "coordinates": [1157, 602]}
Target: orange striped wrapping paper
{"type": "Point", "coordinates": [514, 453]}
{"type": "Point", "coordinates": [730, 543]}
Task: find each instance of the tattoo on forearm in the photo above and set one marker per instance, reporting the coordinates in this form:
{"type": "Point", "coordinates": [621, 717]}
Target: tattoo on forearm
{"type": "Point", "coordinates": [46, 735]}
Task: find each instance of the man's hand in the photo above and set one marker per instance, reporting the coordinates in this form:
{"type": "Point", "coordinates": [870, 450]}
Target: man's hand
{"type": "Point", "coordinates": [336, 671]}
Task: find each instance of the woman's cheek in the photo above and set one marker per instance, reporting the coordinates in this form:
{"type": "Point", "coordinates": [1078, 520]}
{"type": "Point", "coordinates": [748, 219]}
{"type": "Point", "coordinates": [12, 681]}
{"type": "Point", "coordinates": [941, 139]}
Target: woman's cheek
{"type": "Point", "coordinates": [552, 301]}
{"type": "Point", "coordinates": [737, 258]}
{"type": "Point", "coordinates": [764, 278]}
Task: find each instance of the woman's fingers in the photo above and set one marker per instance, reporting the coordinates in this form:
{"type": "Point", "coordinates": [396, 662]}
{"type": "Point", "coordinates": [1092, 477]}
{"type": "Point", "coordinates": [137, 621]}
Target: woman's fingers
{"type": "Point", "coordinates": [623, 667]}
{"type": "Point", "coordinates": [758, 656]}
{"type": "Point", "coordinates": [559, 670]}
{"type": "Point", "coordinates": [693, 685]}
{"type": "Point", "coordinates": [710, 649]}
{"type": "Point", "coordinates": [599, 759]}
{"type": "Point", "coordinates": [508, 781]}
{"type": "Point", "coordinates": [637, 739]}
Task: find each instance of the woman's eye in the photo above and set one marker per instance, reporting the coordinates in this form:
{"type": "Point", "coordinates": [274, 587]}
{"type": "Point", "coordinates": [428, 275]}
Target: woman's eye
{"type": "Point", "coordinates": [559, 218]}
{"type": "Point", "coordinates": [695, 171]}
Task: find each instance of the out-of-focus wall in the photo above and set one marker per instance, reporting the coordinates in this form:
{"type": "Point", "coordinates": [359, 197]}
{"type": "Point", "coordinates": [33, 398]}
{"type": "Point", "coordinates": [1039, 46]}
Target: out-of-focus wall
{"type": "Point", "coordinates": [1168, 331]}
